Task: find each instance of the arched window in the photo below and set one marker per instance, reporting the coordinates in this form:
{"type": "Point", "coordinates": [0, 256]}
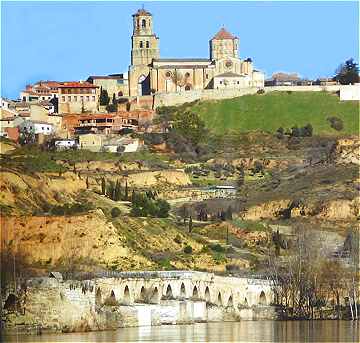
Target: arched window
{"type": "Point", "coordinates": [147, 44]}
{"type": "Point", "coordinates": [188, 87]}
{"type": "Point", "coordinates": [120, 93]}
{"type": "Point", "coordinates": [141, 44]}
{"type": "Point", "coordinates": [143, 23]}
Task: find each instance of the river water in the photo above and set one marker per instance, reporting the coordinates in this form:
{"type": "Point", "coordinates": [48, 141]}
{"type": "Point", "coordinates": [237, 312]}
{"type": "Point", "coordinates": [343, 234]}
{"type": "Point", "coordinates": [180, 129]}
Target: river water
{"type": "Point", "coordinates": [244, 331]}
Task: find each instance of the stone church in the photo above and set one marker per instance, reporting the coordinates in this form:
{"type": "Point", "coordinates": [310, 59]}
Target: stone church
{"type": "Point", "coordinates": [149, 74]}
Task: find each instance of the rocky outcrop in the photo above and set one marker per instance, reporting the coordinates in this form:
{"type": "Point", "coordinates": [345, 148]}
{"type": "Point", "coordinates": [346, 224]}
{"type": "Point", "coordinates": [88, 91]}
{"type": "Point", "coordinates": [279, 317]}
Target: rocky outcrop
{"type": "Point", "coordinates": [348, 151]}
{"type": "Point", "coordinates": [341, 209]}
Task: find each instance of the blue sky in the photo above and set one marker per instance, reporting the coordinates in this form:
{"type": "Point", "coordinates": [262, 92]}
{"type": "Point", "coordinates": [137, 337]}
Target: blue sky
{"type": "Point", "coordinates": [72, 40]}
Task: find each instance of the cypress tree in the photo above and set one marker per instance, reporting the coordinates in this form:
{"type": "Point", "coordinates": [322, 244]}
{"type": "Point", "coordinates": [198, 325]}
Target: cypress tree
{"type": "Point", "coordinates": [190, 224]}
{"type": "Point", "coordinates": [103, 186]}
{"type": "Point", "coordinates": [126, 191]}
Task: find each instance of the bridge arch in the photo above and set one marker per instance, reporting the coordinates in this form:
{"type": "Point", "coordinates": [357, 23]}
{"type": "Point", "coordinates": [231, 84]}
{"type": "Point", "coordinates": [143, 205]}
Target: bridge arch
{"type": "Point", "coordinates": [182, 291]}
{"type": "Point", "coordinates": [126, 295]}
{"type": "Point", "coordinates": [246, 303]}
{"type": "Point", "coordinates": [262, 298]}
{"type": "Point", "coordinates": [219, 299]}
{"type": "Point", "coordinates": [142, 295]}
{"type": "Point", "coordinates": [168, 293]}
{"type": "Point", "coordinates": [207, 294]}
{"type": "Point", "coordinates": [98, 297]}
{"type": "Point", "coordinates": [230, 302]}
{"type": "Point", "coordinates": [195, 293]}
{"type": "Point", "coordinates": [155, 296]}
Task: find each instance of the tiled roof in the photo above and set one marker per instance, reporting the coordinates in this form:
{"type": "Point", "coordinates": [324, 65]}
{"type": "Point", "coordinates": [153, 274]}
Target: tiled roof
{"type": "Point", "coordinates": [77, 85]}
{"type": "Point", "coordinates": [224, 34]}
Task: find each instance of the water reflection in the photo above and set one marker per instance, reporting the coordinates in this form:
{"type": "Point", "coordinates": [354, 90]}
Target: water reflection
{"type": "Point", "coordinates": [245, 331]}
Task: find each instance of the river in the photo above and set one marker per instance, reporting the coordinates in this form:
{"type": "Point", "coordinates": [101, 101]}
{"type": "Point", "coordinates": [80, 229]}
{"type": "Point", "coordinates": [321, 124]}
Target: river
{"type": "Point", "coordinates": [244, 331]}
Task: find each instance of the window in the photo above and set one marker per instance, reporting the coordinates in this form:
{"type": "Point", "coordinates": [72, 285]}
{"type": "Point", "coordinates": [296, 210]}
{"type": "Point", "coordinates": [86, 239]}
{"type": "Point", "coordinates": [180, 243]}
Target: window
{"type": "Point", "coordinates": [69, 98]}
{"type": "Point", "coordinates": [42, 128]}
{"type": "Point", "coordinates": [141, 44]}
{"type": "Point", "coordinates": [147, 44]}
{"type": "Point", "coordinates": [187, 74]}
{"type": "Point", "coordinates": [120, 82]}
{"type": "Point", "coordinates": [93, 98]}
{"type": "Point", "coordinates": [120, 93]}
{"type": "Point", "coordinates": [238, 82]}
{"type": "Point", "coordinates": [168, 74]}
{"type": "Point", "coordinates": [75, 98]}
{"type": "Point", "coordinates": [63, 98]}
{"type": "Point", "coordinates": [81, 98]}
{"type": "Point", "coordinates": [207, 76]}
{"type": "Point", "coordinates": [221, 82]}
{"type": "Point", "coordinates": [143, 23]}
{"type": "Point", "coordinates": [48, 129]}
{"type": "Point", "coordinates": [87, 98]}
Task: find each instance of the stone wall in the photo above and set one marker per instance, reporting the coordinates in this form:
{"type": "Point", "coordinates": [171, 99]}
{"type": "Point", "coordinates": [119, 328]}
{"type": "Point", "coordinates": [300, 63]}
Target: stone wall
{"type": "Point", "coordinates": [173, 99]}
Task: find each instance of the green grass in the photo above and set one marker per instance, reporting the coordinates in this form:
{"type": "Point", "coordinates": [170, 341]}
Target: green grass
{"type": "Point", "coordinates": [269, 112]}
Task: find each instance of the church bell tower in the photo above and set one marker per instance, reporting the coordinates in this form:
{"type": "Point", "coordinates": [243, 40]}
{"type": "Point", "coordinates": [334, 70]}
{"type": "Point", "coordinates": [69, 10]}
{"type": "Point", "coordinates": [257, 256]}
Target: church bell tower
{"type": "Point", "coordinates": [145, 44]}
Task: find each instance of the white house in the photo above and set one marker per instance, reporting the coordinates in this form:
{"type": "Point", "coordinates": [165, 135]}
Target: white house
{"type": "Point", "coordinates": [36, 127]}
{"type": "Point", "coordinates": [65, 144]}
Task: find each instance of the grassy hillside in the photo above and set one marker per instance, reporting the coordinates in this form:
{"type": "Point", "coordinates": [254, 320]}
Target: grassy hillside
{"type": "Point", "coordinates": [269, 112]}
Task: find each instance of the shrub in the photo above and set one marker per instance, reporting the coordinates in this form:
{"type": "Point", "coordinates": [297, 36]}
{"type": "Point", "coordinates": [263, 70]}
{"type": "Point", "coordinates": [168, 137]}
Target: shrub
{"type": "Point", "coordinates": [336, 123]}
{"type": "Point", "coordinates": [261, 91]}
{"type": "Point", "coordinates": [217, 248]}
{"type": "Point", "coordinates": [178, 239]}
{"type": "Point", "coordinates": [188, 249]}
{"type": "Point", "coordinates": [115, 212]}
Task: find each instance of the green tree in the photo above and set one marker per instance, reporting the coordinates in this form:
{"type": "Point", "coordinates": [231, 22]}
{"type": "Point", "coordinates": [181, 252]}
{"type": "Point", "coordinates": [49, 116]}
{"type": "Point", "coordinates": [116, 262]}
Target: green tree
{"type": "Point", "coordinates": [163, 208]}
{"type": "Point", "coordinates": [190, 125]}
{"type": "Point", "coordinates": [348, 72]}
{"type": "Point", "coordinates": [104, 97]}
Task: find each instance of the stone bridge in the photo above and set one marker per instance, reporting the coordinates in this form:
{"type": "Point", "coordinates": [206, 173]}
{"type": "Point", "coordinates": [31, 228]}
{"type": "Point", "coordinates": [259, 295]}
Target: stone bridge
{"type": "Point", "coordinates": [152, 287]}
{"type": "Point", "coordinates": [121, 299]}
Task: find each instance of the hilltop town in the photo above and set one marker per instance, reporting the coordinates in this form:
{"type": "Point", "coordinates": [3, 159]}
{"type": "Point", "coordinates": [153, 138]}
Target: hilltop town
{"type": "Point", "coordinates": [196, 164]}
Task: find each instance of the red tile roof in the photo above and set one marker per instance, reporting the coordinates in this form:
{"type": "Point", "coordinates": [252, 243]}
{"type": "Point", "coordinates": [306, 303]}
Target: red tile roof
{"type": "Point", "coordinates": [77, 85]}
{"type": "Point", "coordinates": [223, 34]}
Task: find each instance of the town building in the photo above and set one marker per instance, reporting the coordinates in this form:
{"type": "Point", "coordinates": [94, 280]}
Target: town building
{"type": "Point", "coordinates": [114, 84]}
{"type": "Point", "coordinates": [148, 73]}
{"type": "Point", "coordinates": [36, 127]}
{"type": "Point", "coordinates": [65, 144]}
{"type": "Point", "coordinates": [283, 79]}
{"type": "Point", "coordinates": [40, 91]}
{"type": "Point", "coordinates": [78, 97]}
{"type": "Point", "coordinates": [108, 143]}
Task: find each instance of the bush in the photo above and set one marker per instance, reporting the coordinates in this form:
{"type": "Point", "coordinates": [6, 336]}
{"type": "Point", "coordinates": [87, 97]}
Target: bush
{"type": "Point", "coordinates": [188, 249]}
{"type": "Point", "coordinates": [115, 212]}
{"type": "Point", "coordinates": [261, 91]}
{"type": "Point", "coordinates": [217, 248]}
{"type": "Point", "coordinates": [336, 123]}
{"type": "Point", "coordinates": [71, 209]}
